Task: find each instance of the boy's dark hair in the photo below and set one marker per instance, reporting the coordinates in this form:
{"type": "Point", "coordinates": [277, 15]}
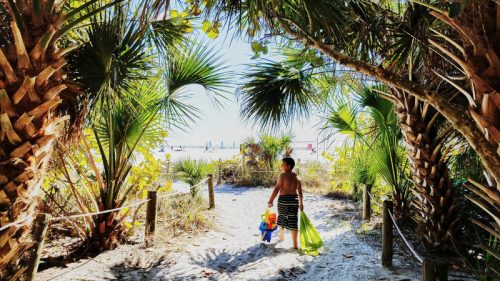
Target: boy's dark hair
{"type": "Point", "coordinates": [289, 161]}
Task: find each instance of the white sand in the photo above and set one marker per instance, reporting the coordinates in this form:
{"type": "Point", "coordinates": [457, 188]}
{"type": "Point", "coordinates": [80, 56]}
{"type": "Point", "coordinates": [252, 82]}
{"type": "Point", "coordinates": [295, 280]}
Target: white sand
{"type": "Point", "coordinates": [233, 250]}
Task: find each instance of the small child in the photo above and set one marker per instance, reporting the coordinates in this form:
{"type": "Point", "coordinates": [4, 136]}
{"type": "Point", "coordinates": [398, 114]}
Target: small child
{"type": "Point", "coordinates": [289, 201]}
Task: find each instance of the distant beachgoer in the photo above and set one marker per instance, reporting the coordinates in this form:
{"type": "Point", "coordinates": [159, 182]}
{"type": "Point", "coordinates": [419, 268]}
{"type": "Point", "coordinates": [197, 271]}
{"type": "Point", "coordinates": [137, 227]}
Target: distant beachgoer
{"type": "Point", "coordinates": [290, 200]}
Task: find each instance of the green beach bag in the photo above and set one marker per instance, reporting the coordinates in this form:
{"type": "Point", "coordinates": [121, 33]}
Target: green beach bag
{"type": "Point", "coordinates": [310, 241]}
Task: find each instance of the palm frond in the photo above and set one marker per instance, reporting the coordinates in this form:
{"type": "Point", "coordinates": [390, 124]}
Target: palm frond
{"type": "Point", "coordinates": [168, 36]}
{"type": "Point", "coordinates": [276, 94]}
{"type": "Point", "coordinates": [342, 117]}
{"type": "Point", "coordinates": [191, 171]}
{"type": "Point", "coordinates": [383, 116]}
{"type": "Point", "coordinates": [198, 64]}
{"type": "Point", "coordinates": [114, 56]}
{"type": "Point", "coordinates": [130, 124]}
{"type": "Point", "coordinates": [176, 111]}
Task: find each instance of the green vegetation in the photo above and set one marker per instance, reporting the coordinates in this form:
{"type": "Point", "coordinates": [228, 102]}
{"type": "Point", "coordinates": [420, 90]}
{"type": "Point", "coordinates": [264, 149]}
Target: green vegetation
{"type": "Point", "coordinates": [191, 171]}
{"type": "Point", "coordinates": [406, 128]}
{"type": "Point", "coordinates": [411, 85]}
{"type": "Point", "coordinates": [129, 104]}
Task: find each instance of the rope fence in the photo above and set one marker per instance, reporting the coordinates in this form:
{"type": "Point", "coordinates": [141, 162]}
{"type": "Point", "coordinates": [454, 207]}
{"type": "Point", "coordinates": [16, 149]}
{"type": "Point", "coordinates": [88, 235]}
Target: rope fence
{"type": "Point", "coordinates": [18, 222]}
{"type": "Point", "coordinates": [44, 219]}
{"type": "Point", "coordinates": [30, 216]}
{"type": "Point", "coordinates": [98, 213]}
{"type": "Point", "coordinates": [417, 256]}
{"type": "Point", "coordinates": [393, 223]}
{"type": "Point", "coordinates": [374, 201]}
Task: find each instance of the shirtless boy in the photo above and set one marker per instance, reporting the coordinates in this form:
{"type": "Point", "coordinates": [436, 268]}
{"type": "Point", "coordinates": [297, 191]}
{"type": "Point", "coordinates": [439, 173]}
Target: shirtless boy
{"type": "Point", "coordinates": [289, 200]}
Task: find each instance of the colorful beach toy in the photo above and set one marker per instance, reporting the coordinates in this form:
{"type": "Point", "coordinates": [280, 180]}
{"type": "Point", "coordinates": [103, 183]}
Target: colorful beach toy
{"type": "Point", "coordinates": [268, 225]}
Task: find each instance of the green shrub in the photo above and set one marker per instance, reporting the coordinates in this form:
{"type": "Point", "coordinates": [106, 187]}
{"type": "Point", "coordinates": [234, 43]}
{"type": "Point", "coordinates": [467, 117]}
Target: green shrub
{"type": "Point", "coordinates": [313, 175]}
{"type": "Point", "coordinates": [191, 171]}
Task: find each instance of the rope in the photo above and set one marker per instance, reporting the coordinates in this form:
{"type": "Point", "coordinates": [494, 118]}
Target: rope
{"type": "Point", "coordinates": [168, 195]}
{"type": "Point", "coordinates": [18, 222]}
{"type": "Point", "coordinates": [266, 171]}
{"type": "Point", "coordinates": [99, 213]}
{"type": "Point", "coordinates": [95, 213]}
{"type": "Point", "coordinates": [176, 193]}
{"type": "Point", "coordinates": [417, 256]}
{"type": "Point", "coordinates": [373, 200]}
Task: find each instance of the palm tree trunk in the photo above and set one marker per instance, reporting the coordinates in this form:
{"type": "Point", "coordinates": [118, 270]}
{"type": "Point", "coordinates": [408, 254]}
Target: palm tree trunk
{"type": "Point", "coordinates": [31, 82]}
{"type": "Point", "coordinates": [109, 231]}
{"type": "Point", "coordinates": [436, 207]}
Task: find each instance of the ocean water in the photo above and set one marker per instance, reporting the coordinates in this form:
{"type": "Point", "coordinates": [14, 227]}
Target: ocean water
{"type": "Point", "coordinates": [227, 153]}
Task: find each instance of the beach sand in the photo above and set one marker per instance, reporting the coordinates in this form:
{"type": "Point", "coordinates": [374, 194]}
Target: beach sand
{"type": "Point", "coordinates": [233, 250]}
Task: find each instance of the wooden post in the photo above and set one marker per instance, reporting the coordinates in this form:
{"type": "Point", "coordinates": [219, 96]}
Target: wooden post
{"type": "Point", "coordinates": [434, 270]}
{"type": "Point", "coordinates": [169, 176]}
{"type": "Point", "coordinates": [298, 167]}
{"type": "Point", "coordinates": [211, 192]}
{"type": "Point", "coordinates": [387, 234]}
{"type": "Point", "coordinates": [40, 231]}
{"type": "Point", "coordinates": [150, 234]}
{"type": "Point", "coordinates": [219, 173]}
{"type": "Point", "coordinates": [366, 202]}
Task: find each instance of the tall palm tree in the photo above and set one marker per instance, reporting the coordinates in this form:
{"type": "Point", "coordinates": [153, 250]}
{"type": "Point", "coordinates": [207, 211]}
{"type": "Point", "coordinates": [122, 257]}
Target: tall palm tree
{"type": "Point", "coordinates": [35, 100]}
{"type": "Point", "coordinates": [425, 131]}
{"type": "Point", "coordinates": [364, 35]}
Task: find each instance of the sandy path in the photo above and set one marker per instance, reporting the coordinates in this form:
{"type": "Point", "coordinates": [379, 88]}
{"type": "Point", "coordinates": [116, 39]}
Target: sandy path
{"type": "Point", "coordinates": [236, 253]}
{"type": "Point", "coordinates": [233, 250]}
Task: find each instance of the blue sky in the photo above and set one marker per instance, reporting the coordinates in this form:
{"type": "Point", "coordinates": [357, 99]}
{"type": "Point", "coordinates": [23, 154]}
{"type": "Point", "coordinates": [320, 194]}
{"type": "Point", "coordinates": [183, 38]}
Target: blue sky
{"type": "Point", "coordinates": [225, 124]}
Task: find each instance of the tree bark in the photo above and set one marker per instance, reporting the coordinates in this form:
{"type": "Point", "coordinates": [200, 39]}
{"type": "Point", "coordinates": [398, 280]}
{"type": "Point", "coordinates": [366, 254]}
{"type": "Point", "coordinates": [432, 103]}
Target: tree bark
{"type": "Point", "coordinates": [436, 207]}
{"type": "Point", "coordinates": [31, 83]}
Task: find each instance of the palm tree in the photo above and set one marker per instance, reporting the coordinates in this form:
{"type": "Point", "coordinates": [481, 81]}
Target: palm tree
{"type": "Point", "coordinates": [35, 100]}
{"type": "Point", "coordinates": [437, 210]}
{"type": "Point", "coordinates": [38, 92]}
{"type": "Point", "coordinates": [117, 140]}
{"type": "Point", "coordinates": [120, 130]}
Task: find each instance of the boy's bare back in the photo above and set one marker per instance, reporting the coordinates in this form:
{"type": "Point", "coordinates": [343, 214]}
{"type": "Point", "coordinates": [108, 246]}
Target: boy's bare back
{"type": "Point", "coordinates": [289, 201]}
{"type": "Point", "coordinates": [289, 184]}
